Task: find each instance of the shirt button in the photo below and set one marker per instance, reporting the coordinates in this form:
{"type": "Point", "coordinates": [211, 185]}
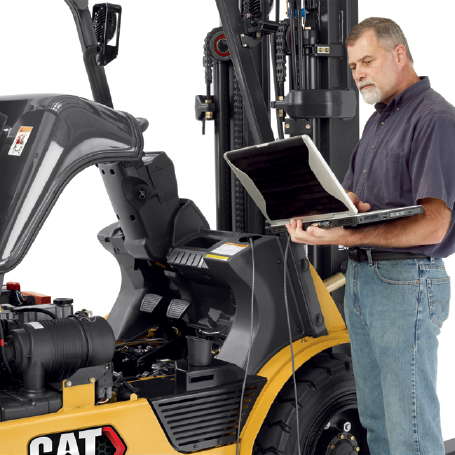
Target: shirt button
{"type": "Point", "coordinates": [382, 123]}
{"type": "Point", "coordinates": [398, 108]}
{"type": "Point", "coordinates": [364, 171]}
{"type": "Point", "coordinates": [372, 146]}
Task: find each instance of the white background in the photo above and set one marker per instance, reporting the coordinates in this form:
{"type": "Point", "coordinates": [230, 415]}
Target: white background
{"type": "Point", "coordinates": [157, 75]}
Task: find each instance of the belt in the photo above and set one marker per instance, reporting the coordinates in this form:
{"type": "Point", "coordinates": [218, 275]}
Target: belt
{"type": "Point", "coordinates": [359, 255]}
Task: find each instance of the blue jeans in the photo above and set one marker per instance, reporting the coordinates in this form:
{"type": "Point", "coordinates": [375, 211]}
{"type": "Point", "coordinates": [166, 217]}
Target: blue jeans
{"type": "Point", "coordinates": [394, 313]}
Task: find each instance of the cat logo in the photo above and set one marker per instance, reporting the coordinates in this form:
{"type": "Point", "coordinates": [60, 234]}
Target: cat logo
{"type": "Point", "coordinates": [90, 441]}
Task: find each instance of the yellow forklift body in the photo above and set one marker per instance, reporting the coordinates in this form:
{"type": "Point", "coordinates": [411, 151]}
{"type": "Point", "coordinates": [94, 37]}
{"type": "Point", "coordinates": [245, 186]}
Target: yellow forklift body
{"type": "Point", "coordinates": [135, 420]}
{"type": "Point", "coordinates": [279, 368]}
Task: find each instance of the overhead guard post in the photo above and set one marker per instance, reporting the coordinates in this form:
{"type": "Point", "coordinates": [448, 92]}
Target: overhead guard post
{"type": "Point", "coordinates": [96, 74]}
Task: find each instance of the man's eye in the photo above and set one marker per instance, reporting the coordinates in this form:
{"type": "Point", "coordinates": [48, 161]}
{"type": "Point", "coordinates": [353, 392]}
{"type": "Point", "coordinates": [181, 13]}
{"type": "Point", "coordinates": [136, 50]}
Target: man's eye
{"type": "Point", "coordinates": [368, 62]}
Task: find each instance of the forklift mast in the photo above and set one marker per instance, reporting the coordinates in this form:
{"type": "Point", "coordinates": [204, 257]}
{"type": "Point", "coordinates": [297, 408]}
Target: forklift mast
{"type": "Point", "coordinates": [308, 47]}
{"type": "Point", "coordinates": [307, 55]}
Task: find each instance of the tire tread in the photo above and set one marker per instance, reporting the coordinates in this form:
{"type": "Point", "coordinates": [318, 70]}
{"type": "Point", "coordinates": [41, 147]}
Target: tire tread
{"type": "Point", "coordinates": [322, 368]}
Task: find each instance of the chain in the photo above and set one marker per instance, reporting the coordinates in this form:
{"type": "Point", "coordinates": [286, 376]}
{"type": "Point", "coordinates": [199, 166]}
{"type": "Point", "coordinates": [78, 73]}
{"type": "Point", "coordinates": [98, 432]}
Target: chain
{"type": "Point", "coordinates": [281, 51]}
{"type": "Point", "coordinates": [238, 144]}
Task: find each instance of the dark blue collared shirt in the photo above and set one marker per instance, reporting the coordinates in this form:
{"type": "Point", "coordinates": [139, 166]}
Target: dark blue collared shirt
{"type": "Point", "coordinates": [407, 153]}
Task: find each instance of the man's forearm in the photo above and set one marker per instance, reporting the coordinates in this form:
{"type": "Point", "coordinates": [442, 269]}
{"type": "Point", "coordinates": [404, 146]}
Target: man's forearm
{"type": "Point", "coordinates": [426, 229]}
{"type": "Point", "coordinates": [402, 233]}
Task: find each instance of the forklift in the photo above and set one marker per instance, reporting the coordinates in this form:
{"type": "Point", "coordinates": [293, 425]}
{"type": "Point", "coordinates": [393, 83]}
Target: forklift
{"type": "Point", "coordinates": [221, 341]}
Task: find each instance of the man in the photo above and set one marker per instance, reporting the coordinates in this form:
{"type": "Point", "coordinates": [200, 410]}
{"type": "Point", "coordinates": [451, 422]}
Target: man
{"type": "Point", "coordinates": [397, 290]}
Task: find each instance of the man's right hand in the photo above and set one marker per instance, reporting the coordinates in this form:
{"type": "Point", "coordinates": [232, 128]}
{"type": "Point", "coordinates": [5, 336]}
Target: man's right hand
{"type": "Point", "coordinates": [360, 206]}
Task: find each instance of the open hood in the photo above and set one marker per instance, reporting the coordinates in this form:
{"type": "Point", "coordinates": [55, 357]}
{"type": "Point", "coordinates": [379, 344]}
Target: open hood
{"type": "Point", "coordinates": [45, 140]}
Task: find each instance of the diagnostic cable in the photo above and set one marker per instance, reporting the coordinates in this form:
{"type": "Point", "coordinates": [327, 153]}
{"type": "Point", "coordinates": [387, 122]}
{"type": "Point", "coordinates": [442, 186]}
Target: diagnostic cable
{"type": "Point", "coordinates": [249, 349]}
{"type": "Point", "coordinates": [290, 343]}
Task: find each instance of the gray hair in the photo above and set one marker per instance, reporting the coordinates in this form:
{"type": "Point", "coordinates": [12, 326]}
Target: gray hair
{"type": "Point", "coordinates": [388, 33]}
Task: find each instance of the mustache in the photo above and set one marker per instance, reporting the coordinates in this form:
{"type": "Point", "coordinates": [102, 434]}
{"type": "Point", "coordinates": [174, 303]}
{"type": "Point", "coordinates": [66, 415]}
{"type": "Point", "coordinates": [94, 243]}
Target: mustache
{"type": "Point", "coordinates": [364, 83]}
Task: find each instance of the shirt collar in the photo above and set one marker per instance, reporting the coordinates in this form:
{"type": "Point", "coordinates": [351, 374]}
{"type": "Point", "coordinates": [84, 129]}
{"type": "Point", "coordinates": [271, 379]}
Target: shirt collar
{"type": "Point", "coordinates": [407, 94]}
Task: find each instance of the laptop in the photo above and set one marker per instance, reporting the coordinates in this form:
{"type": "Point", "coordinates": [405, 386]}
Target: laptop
{"type": "Point", "coordinates": [289, 178]}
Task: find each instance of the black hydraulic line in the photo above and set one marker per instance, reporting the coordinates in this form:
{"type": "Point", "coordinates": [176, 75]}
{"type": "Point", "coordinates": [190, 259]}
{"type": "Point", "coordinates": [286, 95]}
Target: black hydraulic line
{"type": "Point", "coordinates": [294, 60]}
{"type": "Point", "coordinates": [35, 310]}
{"type": "Point", "coordinates": [301, 72]}
{"type": "Point", "coordinates": [315, 253]}
{"type": "Point", "coordinates": [253, 98]}
{"type": "Point", "coordinates": [222, 145]}
{"type": "Point", "coordinates": [96, 74]}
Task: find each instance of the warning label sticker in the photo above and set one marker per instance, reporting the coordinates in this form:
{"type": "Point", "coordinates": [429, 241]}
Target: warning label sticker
{"type": "Point", "coordinates": [230, 249]}
{"type": "Point", "coordinates": [35, 325]}
{"type": "Point", "coordinates": [214, 256]}
{"type": "Point", "coordinates": [20, 140]}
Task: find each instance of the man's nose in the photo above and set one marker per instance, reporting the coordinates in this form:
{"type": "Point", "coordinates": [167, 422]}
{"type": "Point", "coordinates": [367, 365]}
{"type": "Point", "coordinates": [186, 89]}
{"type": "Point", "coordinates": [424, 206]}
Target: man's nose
{"type": "Point", "coordinates": [359, 75]}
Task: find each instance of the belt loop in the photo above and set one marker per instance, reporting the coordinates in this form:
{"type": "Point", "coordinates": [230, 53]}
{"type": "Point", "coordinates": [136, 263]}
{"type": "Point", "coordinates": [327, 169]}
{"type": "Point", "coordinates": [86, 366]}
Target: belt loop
{"type": "Point", "coordinates": [370, 259]}
{"type": "Point", "coordinates": [432, 260]}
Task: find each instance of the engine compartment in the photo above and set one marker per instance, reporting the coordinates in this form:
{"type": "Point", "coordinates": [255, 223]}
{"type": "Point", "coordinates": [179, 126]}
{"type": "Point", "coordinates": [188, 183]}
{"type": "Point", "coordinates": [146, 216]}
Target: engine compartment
{"type": "Point", "coordinates": [47, 347]}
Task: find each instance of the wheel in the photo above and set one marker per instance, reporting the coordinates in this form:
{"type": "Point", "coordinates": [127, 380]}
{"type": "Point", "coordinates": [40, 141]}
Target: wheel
{"type": "Point", "coordinates": [328, 416]}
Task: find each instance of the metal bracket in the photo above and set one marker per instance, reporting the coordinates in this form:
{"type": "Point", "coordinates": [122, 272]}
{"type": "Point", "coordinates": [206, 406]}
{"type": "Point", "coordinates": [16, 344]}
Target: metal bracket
{"type": "Point", "coordinates": [297, 127]}
{"type": "Point", "coordinates": [330, 50]}
{"type": "Point", "coordinates": [88, 375]}
{"type": "Point", "coordinates": [250, 41]}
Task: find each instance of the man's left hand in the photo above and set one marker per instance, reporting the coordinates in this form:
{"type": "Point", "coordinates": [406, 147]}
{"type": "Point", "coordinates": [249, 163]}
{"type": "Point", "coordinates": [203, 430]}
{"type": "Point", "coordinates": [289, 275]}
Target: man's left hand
{"type": "Point", "coordinates": [316, 236]}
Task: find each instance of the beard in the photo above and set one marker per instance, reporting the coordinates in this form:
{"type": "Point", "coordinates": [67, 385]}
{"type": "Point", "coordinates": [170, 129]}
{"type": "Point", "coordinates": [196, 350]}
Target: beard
{"type": "Point", "coordinates": [372, 94]}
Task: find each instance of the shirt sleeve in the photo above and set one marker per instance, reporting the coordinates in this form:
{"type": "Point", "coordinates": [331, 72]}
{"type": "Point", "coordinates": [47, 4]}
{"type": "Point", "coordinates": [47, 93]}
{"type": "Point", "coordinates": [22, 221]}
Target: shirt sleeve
{"type": "Point", "coordinates": [432, 159]}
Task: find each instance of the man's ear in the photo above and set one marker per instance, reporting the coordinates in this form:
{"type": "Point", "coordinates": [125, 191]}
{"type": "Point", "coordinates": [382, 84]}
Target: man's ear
{"type": "Point", "coordinates": [400, 54]}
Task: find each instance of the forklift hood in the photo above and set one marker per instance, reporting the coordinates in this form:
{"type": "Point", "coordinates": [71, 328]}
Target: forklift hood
{"type": "Point", "coordinates": [45, 140]}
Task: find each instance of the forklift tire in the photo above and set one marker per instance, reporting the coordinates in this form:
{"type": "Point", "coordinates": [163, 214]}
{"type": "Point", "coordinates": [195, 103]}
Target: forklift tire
{"type": "Point", "coordinates": [328, 418]}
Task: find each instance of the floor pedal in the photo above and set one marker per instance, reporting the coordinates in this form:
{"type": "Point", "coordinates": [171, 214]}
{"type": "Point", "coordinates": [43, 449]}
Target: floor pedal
{"type": "Point", "coordinates": [177, 308]}
{"type": "Point", "coordinates": [150, 302]}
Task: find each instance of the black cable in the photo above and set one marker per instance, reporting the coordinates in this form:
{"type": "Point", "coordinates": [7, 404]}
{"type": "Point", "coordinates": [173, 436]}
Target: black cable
{"type": "Point", "coordinates": [294, 72]}
{"type": "Point", "coordinates": [19, 298]}
{"type": "Point", "coordinates": [34, 310]}
{"type": "Point", "coordinates": [290, 343]}
{"type": "Point", "coordinates": [249, 349]}
{"type": "Point", "coordinates": [301, 72]}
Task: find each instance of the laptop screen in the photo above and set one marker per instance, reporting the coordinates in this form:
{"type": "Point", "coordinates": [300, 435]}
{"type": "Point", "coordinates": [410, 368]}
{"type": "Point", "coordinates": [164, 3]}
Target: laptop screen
{"type": "Point", "coordinates": [282, 173]}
